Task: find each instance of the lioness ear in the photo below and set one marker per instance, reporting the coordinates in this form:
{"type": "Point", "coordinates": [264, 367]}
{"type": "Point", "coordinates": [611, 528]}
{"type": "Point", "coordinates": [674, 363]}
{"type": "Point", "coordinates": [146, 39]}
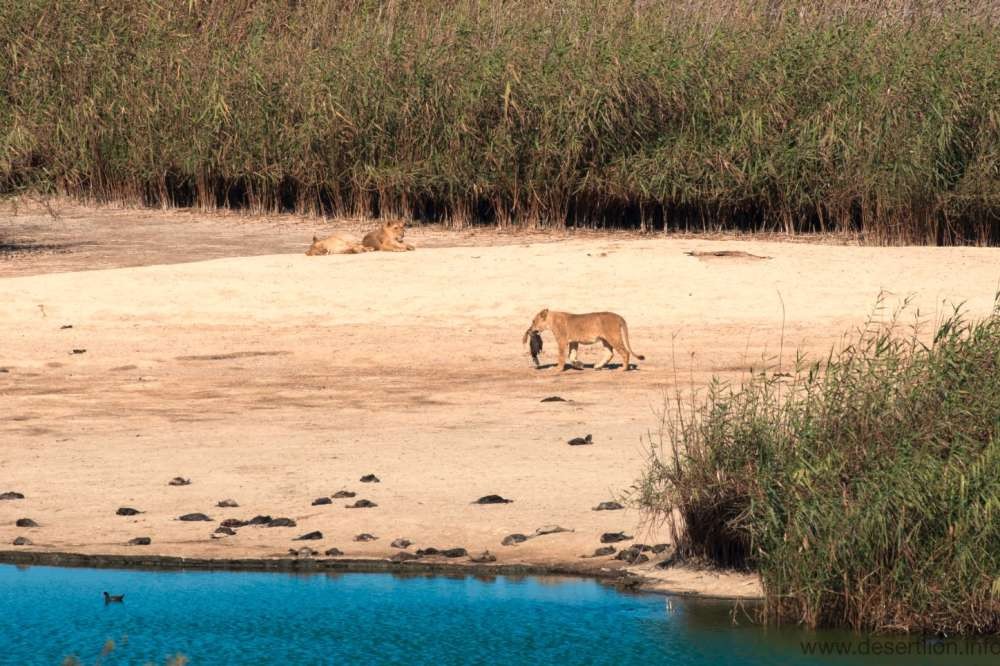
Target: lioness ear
{"type": "Point", "coordinates": [544, 313]}
{"type": "Point", "coordinates": [314, 239]}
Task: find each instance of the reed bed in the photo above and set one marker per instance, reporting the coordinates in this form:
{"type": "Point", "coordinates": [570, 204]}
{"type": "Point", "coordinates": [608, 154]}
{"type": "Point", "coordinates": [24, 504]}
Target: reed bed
{"type": "Point", "coordinates": [880, 119]}
{"type": "Point", "coordinates": [863, 488]}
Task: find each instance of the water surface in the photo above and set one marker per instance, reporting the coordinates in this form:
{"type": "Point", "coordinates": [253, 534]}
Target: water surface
{"type": "Point", "coordinates": [50, 613]}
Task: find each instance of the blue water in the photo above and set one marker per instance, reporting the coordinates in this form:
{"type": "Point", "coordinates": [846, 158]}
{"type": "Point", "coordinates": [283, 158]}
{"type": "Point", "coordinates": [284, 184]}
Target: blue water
{"type": "Point", "coordinates": [48, 613]}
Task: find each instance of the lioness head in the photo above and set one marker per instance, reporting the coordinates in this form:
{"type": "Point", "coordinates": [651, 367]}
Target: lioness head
{"type": "Point", "coordinates": [396, 229]}
{"type": "Point", "coordinates": [538, 324]}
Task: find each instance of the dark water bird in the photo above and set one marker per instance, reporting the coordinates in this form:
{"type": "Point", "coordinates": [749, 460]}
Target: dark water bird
{"type": "Point", "coordinates": [581, 441]}
{"type": "Point", "coordinates": [113, 598]}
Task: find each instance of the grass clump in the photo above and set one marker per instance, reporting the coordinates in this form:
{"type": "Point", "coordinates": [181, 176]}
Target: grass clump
{"type": "Point", "coordinates": [864, 489]}
{"type": "Point", "coordinates": [795, 115]}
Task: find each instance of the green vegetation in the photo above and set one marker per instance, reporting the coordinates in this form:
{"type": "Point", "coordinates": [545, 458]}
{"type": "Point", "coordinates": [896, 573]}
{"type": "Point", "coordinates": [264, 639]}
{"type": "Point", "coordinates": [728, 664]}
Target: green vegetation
{"type": "Point", "coordinates": [875, 117]}
{"type": "Point", "coordinates": [865, 488]}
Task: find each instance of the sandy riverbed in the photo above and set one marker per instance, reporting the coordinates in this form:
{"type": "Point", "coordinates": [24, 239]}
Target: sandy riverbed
{"type": "Point", "coordinates": [278, 378]}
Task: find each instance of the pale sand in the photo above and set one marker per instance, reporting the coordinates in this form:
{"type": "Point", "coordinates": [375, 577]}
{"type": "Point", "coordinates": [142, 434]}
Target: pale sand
{"type": "Point", "coordinates": [409, 366]}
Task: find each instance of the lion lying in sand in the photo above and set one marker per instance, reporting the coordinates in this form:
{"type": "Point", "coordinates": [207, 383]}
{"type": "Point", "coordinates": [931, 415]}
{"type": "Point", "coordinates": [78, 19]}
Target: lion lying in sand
{"type": "Point", "coordinates": [573, 330]}
{"type": "Point", "coordinates": [388, 237]}
{"type": "Point", "coordinates": [336, 244]}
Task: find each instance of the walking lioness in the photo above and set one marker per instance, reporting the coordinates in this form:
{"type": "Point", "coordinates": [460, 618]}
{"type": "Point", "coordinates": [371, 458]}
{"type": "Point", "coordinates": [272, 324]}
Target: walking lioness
{"type": "Point", "coordinates": [573, 330]}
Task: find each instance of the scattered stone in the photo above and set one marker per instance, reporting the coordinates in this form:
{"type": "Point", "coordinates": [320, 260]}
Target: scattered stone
{"type": "Point", "coordinates": [26, 522]}
{"type": "Point", "coordinates": [512, 539]}
{"type": "Point", "coordinates": [180, 481]}
{"type": "Point", "coordinates": [492, 499]}
{"type": "Point", "coordinates": [228, 531]}
{"type": "Point", "coordinates": [554, 398]}
{"type": "Point", "coordinates": [281, 522]}
{"type": "Point", "coordinates": [192, 517]}
{"type": "Point", "coordinates": [364, 537]}
{"type": "Point", "coordinates": [401, 543]}
{"type": "Point", "coordinates": [661, 547]}
{"type": "Point", "coordinates": [303, 552]}
{"type": "Point", "coordinates": [309, 536]}
{"type": "Point", "coordinates": [608, 506]}
{"type": "Point", "coordinates": [604, 550]}
{"type": "Point", "coordinates": [550, 529]}
{"type": "Point", "coordinates": [227, 504]}
{"type": "Point", "coordinates": [140, 541]}
{"type": "Point", "coordinates": [259, 520]}
{"type": "Point", "coordinates": [333, 552]}
{"type": "Point", "coordinates": [322, 500]}
{"type": "Point", "coordinates": [455, 552]}
{"type": "Point", "coordinates": [233, 522]}
{"type": "Point", "coordinates": [614, 537]}
{"type": "Point", "coordinates": [65, 326]}
{"type": "Point", "coordinates": [11, 495]}
{"type": "Point", "coordinates": [22, 541]}
{"type": "Point", "coordinates": [79, 351]}
{"type": "Point", "coordinates": [341, 494]}
{"type": "Point", "coordinates": [483, 558]}
{"type": "Point", "coordinates": [127, 511]}
{"type": "Point", "coordinates": [362, 504]}
{"type": "Point", "coordinates": [581, 441]}
{"type": "Point", "coordinates": [404, 556]}
{"type": "Point", "coordinates": [428, 552]}
{"type": "Point", "coordinates": [370, 478]}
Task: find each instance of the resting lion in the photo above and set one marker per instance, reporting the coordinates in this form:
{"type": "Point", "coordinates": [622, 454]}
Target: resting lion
{"type": "Point", "coordinates": [335, 244]}
{"type": "Point", "coordinates": [388, 237]}
{"type": "Point", "coordinates": [573, 330]}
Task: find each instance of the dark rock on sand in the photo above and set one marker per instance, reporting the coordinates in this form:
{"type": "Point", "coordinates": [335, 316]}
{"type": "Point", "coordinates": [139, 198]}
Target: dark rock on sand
{"type": "Point", "coordinates": [581, 441]}
{"type": "Point", "coordinates": [191, 517]}
{"type": "Point", "coordinates": [512, 539]}
{"type": "Point", "coordinates": [492, 499]}
{"type": "Point", "coordinates": [554, 398]}
{"type": "Point", "coordinates": [362, 504]}
{"type": "Point", "coordinates": [303, 552]}
{"type": "Point", "coordinates": [140, 541]}
{"type": "Point", "coordinates": [22, 541]}
{"type": "Point", "coordinates": [370, 478]}
{"type": "Point", "coordinates": [11, 495]}
{"type": "Point", "coordinates": [127, 511]}
{"type": "Point", "coordinates": [341, 494]}
{"type": "Point", "coordinates": [455, 552]}
{"type": "Point", "coordinates": [180, 481]}
{"type": "Point", "coordinates": [428, 552]}
{"type": "Point", "coordinates": [608, 506]}
{"type": "Point", "coordinates": [333, 552]}
{"type": "Point", "coordinates": [309, 536]}
{"type": "Point", "coordinates": [632, 555]}
{"type": "Point", "coordinates": [322, 500]}
{"type": "Point", "coordinates": [604, 550]}
{"type": "Point", "coordinates": [614, 537]}
{"type": "Point", "coordinates": [484, 557]}
{"type": "Point", "coordinates": [229, 531]}
{"type": "Point", "coordinates": [227, 504]}
{"type": "Point", "coordinates": [661, 547]}
{"type": "Point", "coordinates": [364, 537]}
{"type": "Point", "coordinates": [26, 522]}
{"type": "Point", "coordinates": [401, 543]}
{"type": "Point", "coordinates": [404, 556]}
{"type": "Point", "coordinates": [550, 529]}
{"type": "Point", "coordinates": [233, 522]}
{"type": "Point", "coordinates": [281, 522]}
{"type": "Point", "coordinates": [259, 520]}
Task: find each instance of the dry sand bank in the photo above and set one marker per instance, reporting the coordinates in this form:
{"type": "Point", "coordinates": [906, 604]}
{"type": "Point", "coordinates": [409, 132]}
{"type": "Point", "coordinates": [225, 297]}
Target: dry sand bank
{"type": "Point", "coordinates": [280, 378]}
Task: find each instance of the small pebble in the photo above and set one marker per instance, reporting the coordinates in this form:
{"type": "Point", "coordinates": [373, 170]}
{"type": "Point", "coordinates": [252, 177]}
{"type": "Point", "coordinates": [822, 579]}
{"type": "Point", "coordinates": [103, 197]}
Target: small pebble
{"type": "Point", "coordinates": [322, 500]}
{"type": "Point", "coordinates": [281, 522]}
{"type": "Point", "coordinates": [227, 504]}
{"type": "Point", "coordinates": [180, 481]}
{"type": "Point", "coordinates": [26, 522]}
{"type": "Point", "coordinates": [233, 522]}
{"type": "Point", "coordinates": [483, 558]}
{"type": "Point", "coordinates": [11, 495]}
{"type": "Point", "coordinates": [553, 398]}
{"type": "Point", "coordinates": [581, 441]}
{"type": "Point", "coordinates": [365, 537]}
{"type": "Point", "coordinates": [428, 552]}
{"type": "Point", "coordinates": [362, 504]}
{"type": "Point", "coordinates": [191, 517]}
{"type": "Point", "coordinates": [225, 530]}
{"type": "Point", "coordinates": [370, 478]}
{"type": "Point", "coordinates": [259, 520]}
{"type": "Point", "coordinates": [492, 499]}
{"type": "Point", "coordinates": [614, 537]}
{"type": "Point", "coordinates": [127, 511]}
{"type": "Point", "coordinates": [608, 506]}
{"type": "Point", "coordinates": [309, 536]}
{"type": "Point", "coordinates": [512, 539]}
{"type": "Point", "coordinates": [341, 494]}
{"type": "Point", "coordinates": [604, 550]}
{"type": "Point", "coordinates": [22, 541]}
{"type": "Point", "coordinates": [140, 541]}
{"type": "Point", "coordinates": [550, 529]}
{"type": "Point", "coordinates": [333, 552]}
{"type": "Point", "coordinates": [401, 543]}
{"type": "Point", "coordinates": [455, 552]}
{"type": "Point", "coordinates": [404, 556]}
{"type": "Point", "coordinates": [305, 551]}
